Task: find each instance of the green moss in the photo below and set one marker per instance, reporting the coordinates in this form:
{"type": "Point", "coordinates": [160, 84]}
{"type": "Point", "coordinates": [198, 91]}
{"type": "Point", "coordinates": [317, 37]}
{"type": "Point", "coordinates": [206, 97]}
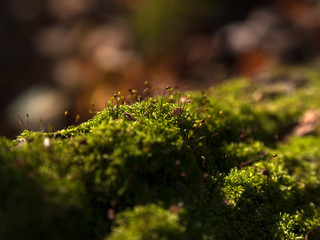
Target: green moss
{"type": "Point", "coordinates": [218, 166]}
{"type": "Point", "coordinates": [148, 222]}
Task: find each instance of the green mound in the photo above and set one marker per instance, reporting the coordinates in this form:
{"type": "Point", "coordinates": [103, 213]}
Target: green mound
{"type": "Point", "coordinates": [227, 164]}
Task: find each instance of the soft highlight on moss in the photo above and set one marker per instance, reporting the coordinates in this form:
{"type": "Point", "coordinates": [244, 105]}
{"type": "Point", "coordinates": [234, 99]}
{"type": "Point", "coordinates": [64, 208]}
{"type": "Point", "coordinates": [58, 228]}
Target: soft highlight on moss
{"type": "Point", "coordinates": [219, 165]}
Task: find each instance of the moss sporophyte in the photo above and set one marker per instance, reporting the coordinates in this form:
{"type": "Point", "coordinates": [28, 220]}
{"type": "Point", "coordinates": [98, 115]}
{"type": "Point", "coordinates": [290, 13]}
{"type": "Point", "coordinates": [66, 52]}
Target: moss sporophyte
{"type": "Point", "coordinates": [177, 166]}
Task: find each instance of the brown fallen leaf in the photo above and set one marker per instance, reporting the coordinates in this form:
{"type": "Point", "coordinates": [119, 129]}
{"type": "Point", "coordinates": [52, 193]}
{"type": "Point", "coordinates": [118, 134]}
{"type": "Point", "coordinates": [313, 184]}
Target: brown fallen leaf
{"type": "Point", "coordinates": [308, 122]}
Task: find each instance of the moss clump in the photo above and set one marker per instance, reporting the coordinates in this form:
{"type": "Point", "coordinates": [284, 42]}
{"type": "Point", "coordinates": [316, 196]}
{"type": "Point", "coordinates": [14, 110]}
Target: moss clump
{"type": "Point", "coordinates": [224, 165]}
{"type": "Point", "coordinates": [148, 222]}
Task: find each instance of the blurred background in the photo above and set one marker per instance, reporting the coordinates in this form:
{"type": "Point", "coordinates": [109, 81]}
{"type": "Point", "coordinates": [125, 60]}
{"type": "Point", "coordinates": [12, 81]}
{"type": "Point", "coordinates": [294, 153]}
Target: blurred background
{"type": "Point", "coordinates": [73, 55]}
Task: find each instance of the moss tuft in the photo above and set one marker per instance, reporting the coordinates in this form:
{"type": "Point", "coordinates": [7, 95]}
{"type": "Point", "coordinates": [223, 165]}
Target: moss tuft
{"type": "Point", "coordinates": [220, 165]}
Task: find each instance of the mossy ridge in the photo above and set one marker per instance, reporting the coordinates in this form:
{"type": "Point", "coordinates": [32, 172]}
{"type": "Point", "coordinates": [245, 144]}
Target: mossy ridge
{"type": "Point", "coordinates": [206, 162]}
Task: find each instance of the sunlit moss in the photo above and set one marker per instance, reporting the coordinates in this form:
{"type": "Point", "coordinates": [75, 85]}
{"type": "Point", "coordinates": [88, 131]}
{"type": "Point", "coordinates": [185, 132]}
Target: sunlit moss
{"type": "Point", "coordinates": [216, 165]}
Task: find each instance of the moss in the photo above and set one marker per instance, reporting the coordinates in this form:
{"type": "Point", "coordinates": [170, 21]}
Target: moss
{"type": "Point", "coordinates": [148, 222]}
{"type": "Point", "coordinates": [223, 165]}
